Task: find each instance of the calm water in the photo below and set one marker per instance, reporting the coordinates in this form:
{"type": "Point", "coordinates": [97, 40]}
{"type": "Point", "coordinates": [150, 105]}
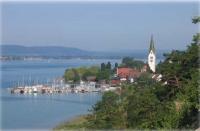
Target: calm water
{"type": "Point", "coordinates": [41, 111]}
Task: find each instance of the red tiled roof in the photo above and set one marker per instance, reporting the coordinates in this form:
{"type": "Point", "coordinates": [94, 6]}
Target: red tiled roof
{"type": "Point", "coordinates": [127, 72]}
{"type": "Point", "coordinates": [115, 82]}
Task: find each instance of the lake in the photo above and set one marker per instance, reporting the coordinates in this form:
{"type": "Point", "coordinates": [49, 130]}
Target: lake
{"type": "Point", "coordinates": [42, 111]}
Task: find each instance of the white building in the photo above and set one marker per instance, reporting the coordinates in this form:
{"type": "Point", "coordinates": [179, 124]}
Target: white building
{"type": "Point", "coordinates": [152, 56]}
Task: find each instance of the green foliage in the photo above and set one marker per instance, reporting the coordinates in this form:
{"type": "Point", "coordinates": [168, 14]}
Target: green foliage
{"type": "Point", "coordinates": [87, 74]}
{"type": "Point", "coordinates": [142, 110]}
{"type": "Point", "coordinates": [113, 71]}
{"type": "Point", "coordinates": [103, 75]}
{"type": "Point", "coordinates": [153, 105]}
{"type": "Point", "coordinates": [108, 66]}
{"type": "Point", "coordinates": [92, 71]}
{"type": "Point", "coordinates": [77, 123]}
{"type": "Point", "coordinates": [127, 60]}
{"type": "Point", "coordinates": [183, 68]}
{"type": "Point", "coordinates": [130, 62]}
{"type": "Point", "coordinates": [81, 73]}
{"type": "Point", "coordinates": [108, 114]}
{"type": "Point", "coordinates": [71, 75]}
{"type": "Point", "coordinates": [105, 72]}
{"type": "Point", "coordinates": [145, 78]}
{"type": "Point", "coordinates": [196, 20]}
{"type": "Point", "coordinates": [75, 74]}
{"type": "Point", "coordinates": [116, 65]}
{"type": "Point", "coordinates": [103, 66]}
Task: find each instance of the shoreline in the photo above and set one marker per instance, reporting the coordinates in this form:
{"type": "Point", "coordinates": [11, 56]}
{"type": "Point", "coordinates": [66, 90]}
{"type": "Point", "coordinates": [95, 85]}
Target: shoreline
{"type": "Point", "coordinates": [76, 122]}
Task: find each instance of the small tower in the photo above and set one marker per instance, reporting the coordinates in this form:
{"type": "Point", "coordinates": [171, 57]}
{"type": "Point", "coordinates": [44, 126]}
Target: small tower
{"type": "Point", "coordinates": [152, 56]}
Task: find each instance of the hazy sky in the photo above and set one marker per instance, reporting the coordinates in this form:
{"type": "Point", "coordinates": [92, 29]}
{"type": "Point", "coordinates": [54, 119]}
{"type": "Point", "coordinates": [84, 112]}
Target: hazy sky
{"type": "Point", "coordinates": [99, 26]}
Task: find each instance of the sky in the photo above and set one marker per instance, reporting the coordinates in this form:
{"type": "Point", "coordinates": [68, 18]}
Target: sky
{"type": "Point", "coordinates": [99, 26]}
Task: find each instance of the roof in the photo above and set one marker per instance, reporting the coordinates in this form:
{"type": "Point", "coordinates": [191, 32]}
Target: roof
{"type": "Point", "coordinates": [128, 72]}
{"type": "Point", "coordinates": [115, 82]}
{"type": "Point", "coordinates": [152, 45]}
{"type": "Point", "coordinates": [91, 78]}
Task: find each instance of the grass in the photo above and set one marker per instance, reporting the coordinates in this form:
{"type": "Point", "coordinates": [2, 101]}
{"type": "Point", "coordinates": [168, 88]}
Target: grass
{"type": "Point", "coordinates": [78, 123]}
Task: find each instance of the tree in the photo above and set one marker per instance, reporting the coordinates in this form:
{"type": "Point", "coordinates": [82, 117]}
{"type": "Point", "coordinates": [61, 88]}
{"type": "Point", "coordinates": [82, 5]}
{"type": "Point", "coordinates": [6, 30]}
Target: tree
{"type": "Point", "coordinates": [94, 69]}
{"type": "Point", "coordinates": [81, 71]}
{"type": "Point", "coordinates": [171, 68]}
{"type": "Point", "coordinates": [130, 62]}
{"type": "Point", "coordinates": [86, 74]}
{"type": "Point", "coordinates": [103, 75]}
{"type": "Point", "coordinates": [108, 113]}
{"type": "Point", "coordinates": [184, 67]}
{"type": "Point", "coordinates": [145, 78]}
{"type": "Point", "coordinates": [127, 61]}
{"type": "Point", "coordinates": [91, 71]}
{"type": "Point", "coordinates": [116, 65]}
{"type": "Point", "coordinates": [76, 76]}
{"type": "Point", "coordinates": [142, 110]}
{"type": "Point", "coordinates": [103, 67]}
{"type": "Point", "coordinates": [108, 66]}
{"type": "Point", "coordinates": [71, 75]}
{"type": "Point", "coordinates": [196, 20]}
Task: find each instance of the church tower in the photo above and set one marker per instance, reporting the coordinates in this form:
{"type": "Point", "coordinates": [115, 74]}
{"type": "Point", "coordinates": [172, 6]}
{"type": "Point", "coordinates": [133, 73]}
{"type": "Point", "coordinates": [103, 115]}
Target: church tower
{"type": "Point", "coordinates": [152, 56]}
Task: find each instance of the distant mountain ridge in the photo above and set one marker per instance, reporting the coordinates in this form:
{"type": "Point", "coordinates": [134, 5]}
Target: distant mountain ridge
{"type": "Point", "coordinates": [58, 51]}
{"type": "Point", "coordinates": [16, 50]}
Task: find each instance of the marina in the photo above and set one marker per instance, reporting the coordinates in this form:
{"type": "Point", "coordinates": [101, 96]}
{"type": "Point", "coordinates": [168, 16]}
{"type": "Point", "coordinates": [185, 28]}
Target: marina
{"type": "Point", "coordinates": [42, 111]}
{"type": "Point", "coordinates": [82, 87]}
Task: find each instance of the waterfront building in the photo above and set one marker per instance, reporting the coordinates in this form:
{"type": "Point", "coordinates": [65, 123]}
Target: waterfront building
{"type": "Point", "coordinates": [152, 56]}
{"type": "Point", "coordinates": [125, 74]}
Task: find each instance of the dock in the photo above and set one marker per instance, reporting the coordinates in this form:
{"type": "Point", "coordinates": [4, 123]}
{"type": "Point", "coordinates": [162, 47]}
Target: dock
{"type": "Point", "coordinates": [83, 87]}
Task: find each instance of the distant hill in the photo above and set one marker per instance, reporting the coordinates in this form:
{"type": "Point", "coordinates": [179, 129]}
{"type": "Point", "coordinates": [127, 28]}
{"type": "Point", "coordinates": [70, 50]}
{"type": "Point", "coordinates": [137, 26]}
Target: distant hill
{"type": "Point", "coordinates": [57, 51]}
{"type": "Point", "coordinates": [15, 50]}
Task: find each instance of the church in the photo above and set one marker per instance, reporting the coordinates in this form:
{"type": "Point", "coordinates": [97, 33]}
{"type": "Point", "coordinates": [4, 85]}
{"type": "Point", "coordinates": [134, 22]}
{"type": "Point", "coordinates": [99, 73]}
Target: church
{"type": "Point", "coordinates": [152, 61]}
{"type": "Point", "coordinates": [152, 56]}
{"type": "Point", "coordinates": [124, 74]}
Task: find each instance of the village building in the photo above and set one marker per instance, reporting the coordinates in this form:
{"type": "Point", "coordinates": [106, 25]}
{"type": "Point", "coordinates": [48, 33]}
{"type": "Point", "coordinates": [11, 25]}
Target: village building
{"type": "Point", "coordinates": [91, 78]}
{"type": "Point", "coordinates": [115, 81]}
{"type": "Point", "coordinates": [144, 68]}
{"type": "Point", "coordinates": [126, 74]}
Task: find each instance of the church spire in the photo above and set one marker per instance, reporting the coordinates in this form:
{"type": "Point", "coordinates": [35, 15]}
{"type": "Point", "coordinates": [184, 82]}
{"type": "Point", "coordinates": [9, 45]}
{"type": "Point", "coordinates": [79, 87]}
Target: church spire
{"type": "Point", "coordinates": [152, 45]}
{"type": "Point", "coordinates": [152, 56]}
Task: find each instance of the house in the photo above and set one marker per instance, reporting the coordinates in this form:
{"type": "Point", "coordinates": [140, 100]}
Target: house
{"type": "Point", "coordinates": [115, 81]}
{"type": "Point", "coordinates": [91, 78]}
{"type": "Point", "coordinates": [144, 68]}
{"type": "Point", "coordinates": [127, 74]}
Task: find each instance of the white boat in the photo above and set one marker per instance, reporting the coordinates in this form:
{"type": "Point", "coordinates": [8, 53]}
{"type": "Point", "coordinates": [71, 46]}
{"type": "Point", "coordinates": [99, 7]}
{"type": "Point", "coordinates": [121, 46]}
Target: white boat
{"type": "Point", "coordinates": [30, 91]}
{"type": "Point", "coordinates": [35, 89]}
{"type": "Point", "coordinates": [76, 91]}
